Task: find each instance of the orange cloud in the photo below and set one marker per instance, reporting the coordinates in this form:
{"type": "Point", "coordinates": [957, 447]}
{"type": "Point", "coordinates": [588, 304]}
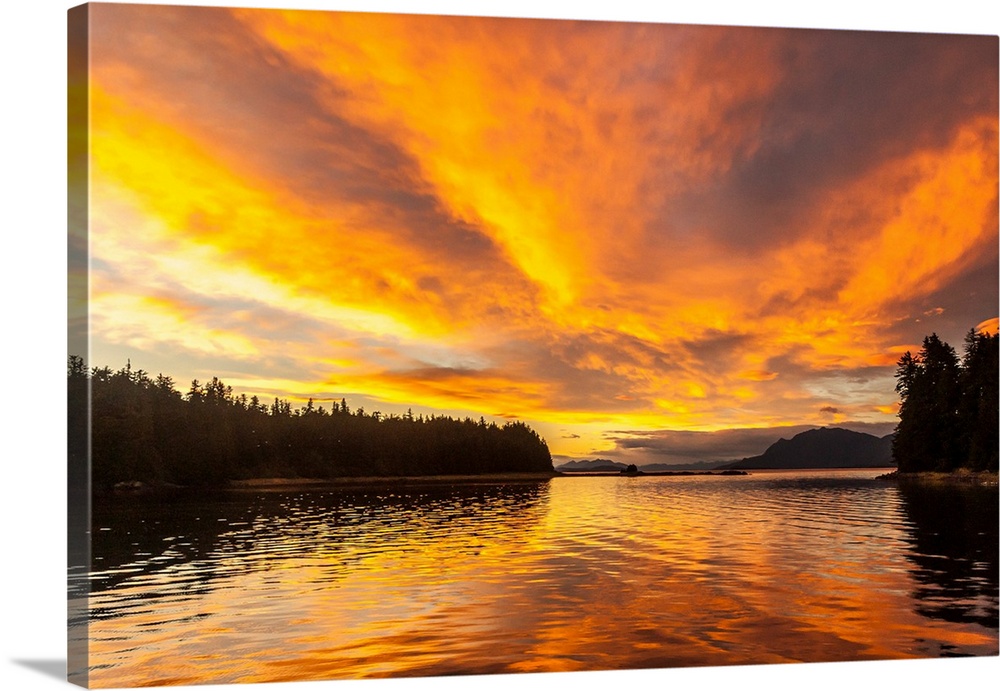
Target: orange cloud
{"type": "Point", "coordinates": [990, 326]}
{"type": "Point", "coordinates": [575, 222]}
{"type": "Point", "coordinates": [946, 213]}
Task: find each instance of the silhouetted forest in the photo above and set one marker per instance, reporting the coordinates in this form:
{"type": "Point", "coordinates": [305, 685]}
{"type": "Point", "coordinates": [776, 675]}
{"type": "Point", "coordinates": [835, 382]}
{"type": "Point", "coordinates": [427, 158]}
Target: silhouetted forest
{"type": "Point", "coordinates": [948, 418]}
{"type": "Point", "coordinates": [144, 429]}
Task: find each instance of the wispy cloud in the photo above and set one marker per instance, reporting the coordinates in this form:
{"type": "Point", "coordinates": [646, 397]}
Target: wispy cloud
{"type": "Point", "coordinates": [588, 225]}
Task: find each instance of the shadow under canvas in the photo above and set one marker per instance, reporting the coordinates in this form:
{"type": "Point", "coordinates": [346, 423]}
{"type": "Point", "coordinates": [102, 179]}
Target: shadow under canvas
{"type": "Point", "coordinates": [51, 668]}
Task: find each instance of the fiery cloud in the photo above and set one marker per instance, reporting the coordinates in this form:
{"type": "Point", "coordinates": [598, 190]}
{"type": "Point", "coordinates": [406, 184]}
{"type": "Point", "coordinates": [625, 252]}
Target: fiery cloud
{"type": "Point", "coordinates": [590, 226]}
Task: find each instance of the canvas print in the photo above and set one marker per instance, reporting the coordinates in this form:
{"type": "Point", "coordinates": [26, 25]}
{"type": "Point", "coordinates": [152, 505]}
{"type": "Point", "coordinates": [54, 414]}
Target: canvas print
{"type": "Point", "coordinates": [416, 345]}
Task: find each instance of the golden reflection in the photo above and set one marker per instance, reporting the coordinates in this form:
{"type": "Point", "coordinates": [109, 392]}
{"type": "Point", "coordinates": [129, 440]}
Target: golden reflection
{"type": "Point", "coordinates": [567, 574]}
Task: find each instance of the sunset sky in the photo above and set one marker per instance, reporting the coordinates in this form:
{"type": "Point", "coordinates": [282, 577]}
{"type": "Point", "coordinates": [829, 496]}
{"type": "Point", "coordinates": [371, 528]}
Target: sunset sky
{"type": "Point", "coordinates": [651, 242]}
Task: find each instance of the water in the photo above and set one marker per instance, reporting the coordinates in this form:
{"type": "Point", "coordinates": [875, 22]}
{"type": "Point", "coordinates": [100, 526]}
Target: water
{"type": "Point", "coordinates": [579, 573]}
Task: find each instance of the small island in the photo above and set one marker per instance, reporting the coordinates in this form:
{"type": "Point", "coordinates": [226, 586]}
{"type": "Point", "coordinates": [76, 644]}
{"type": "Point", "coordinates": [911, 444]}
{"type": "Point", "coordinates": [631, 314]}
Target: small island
{"type": "Point", "coordinates": [632, 471]}
{"type": "Point", "coordinates": [606, 468]}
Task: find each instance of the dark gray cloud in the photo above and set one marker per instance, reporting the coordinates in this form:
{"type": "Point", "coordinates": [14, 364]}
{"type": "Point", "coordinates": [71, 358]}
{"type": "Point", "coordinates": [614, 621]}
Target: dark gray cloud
{"type": "Point", "coordinates": [714, 350]}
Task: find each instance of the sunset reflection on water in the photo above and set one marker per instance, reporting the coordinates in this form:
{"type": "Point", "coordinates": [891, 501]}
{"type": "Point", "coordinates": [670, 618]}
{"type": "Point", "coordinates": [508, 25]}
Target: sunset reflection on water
{"type": "Point", "coordinates": [566, 574]}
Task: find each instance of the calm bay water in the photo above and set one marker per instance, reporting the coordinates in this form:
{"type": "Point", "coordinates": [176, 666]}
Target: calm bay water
{"type": "Point", "coordinates": [565, 574]}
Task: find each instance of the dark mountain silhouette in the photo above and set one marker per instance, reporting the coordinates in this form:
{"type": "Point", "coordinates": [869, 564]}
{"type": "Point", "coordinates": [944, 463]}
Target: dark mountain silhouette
{"type": "Point", "coordinates": [597, 464]}
{"type": "Point", "coordinates": [827, 447]}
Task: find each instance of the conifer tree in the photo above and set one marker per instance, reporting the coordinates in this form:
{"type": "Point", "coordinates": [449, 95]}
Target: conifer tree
{"type": "Point", "coordinates": [948, 408]}
{"type": "Point", "coordinates": [143, 429]}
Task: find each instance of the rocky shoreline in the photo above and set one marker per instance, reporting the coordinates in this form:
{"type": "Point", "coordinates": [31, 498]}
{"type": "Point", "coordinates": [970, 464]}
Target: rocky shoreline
{"type": "Point", "coordinates": [957, 477]}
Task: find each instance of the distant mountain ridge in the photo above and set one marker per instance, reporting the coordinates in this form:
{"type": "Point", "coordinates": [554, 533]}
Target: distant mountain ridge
{"type": "Point", "coordinates": [826, 447]}
{"type": "Point", "coordinates": [596, 464]}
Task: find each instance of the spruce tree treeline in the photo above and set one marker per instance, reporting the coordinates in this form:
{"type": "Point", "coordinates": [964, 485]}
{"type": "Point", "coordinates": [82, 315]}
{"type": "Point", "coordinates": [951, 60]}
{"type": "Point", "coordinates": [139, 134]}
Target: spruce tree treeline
{"type": "Point", "coordinates": [948, 417]}
{"type": "Point", "coordinates": [144, 429]}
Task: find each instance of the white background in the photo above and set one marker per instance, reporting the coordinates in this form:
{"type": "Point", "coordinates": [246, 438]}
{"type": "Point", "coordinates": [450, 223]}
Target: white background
{"type": "Point", "coordinates": [32, 334]}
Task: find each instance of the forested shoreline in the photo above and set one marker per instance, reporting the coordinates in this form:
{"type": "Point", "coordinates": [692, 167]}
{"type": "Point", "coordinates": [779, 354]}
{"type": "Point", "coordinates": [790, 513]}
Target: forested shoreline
{"type": "Point", "coordinates": [144, 430]}
{"type": "Point", "coordinates": [948, 416]}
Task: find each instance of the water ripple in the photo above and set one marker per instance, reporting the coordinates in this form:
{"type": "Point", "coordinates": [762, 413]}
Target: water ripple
{"type": "Point", "coordinates": [574, 573]}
